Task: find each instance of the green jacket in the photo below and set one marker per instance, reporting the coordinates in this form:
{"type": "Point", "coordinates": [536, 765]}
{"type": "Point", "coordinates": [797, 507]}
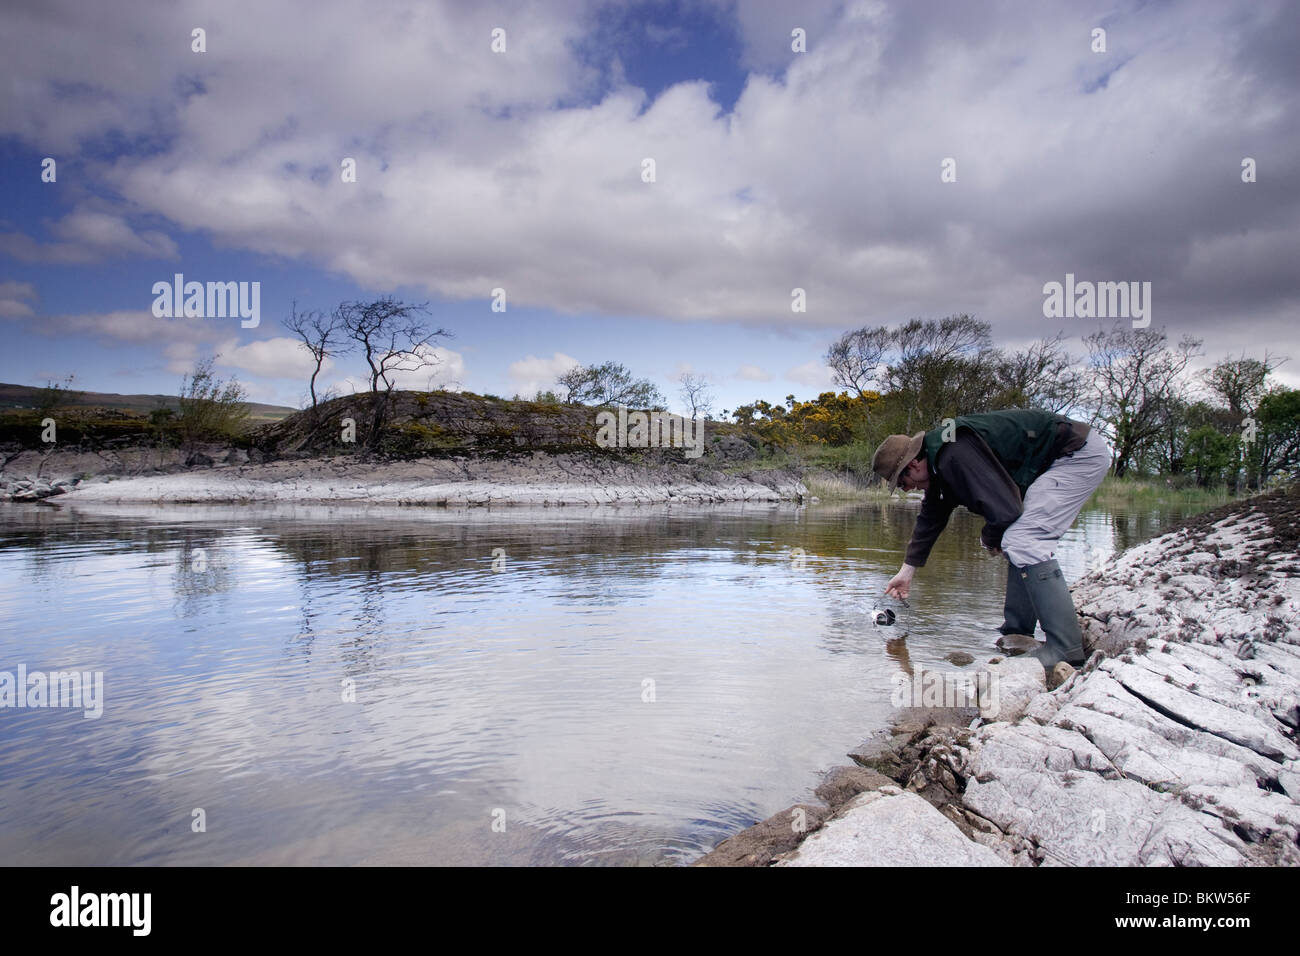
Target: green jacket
{"type": "Point", "coordinates": [987, 464]}
{"type": "Point", "coordinates": [1025, 440]}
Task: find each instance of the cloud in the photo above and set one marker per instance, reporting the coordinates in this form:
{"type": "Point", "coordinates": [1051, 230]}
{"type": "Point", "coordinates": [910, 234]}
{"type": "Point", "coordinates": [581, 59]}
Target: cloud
{"type": "Point", "coordinates": [89, 236]}
{"type": "Point", "coordinates": [12, 294]}
{"type": "Point", "coordinates": [813, 374]}
{"type": "Point", "coordinates": [531, 375]}
{"type": "Point", "coordinates": [752, 373]}
{"type": "Point", "coordinates": [671, 38]}
{"type": "Point", "coordinates": [278, 358]}
{"type": "Point", "coordinates": [519, 170]}
{"type": "Point", "coordinates": [765, 27]}
{"type": "Point", "coordinates": [444, 370]}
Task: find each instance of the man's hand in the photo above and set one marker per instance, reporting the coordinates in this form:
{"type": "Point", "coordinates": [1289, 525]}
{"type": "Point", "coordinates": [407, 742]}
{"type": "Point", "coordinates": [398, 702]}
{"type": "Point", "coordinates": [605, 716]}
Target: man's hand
{"type": "Point", "coordinates": [901, 583]}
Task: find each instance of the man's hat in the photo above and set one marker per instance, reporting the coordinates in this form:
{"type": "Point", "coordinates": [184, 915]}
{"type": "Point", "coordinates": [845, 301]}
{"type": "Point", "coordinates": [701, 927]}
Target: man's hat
{"type": "Point", "coordinates": [893, 455]}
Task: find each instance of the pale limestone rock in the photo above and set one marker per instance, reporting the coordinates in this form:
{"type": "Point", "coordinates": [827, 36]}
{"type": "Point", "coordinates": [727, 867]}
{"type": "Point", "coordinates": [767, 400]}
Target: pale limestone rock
{"type": "Point", "coordinates": [891, 827]}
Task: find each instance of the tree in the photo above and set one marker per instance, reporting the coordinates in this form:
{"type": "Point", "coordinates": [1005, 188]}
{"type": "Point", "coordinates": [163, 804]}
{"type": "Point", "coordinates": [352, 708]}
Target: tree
{"type": "Point", "coordinates": [857, 358]}
{"type": "Point", "coordinates": [1273, 448]}
{"type": "Point", "coordinates": [1044, 376]}
{"type": "Point", "coordinates": [1240, 382]}
{"type": "Point", "coordinates": [697, 393]}
{"type": "Point", "coordinates": [393, 339]}
{"type": "Point", "coordinates": [323, 336]}
{"type": "Point", "coordinates": [210, 408]}
{"type": "Point", "coordinates": [943, 368]}
{"type": "Point", "coordinates": [1211, 455]}
{"type": "Point", "coordinates": [1132, 377]}
{"type": "Point", "coordinates": [391, 336]}
{"type": "Point", "coordinates": [608, 384]}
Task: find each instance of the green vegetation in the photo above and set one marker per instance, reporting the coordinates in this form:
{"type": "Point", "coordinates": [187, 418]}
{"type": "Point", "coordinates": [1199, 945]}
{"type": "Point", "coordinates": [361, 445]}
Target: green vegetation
{"type": "Point", "coordinates": [1223, 432]}
{"type": "Point", "coordinates": [1158, 493]}
{"type": "Point", "coordinates": [211, 409]}
{"type": "Point", "coordinates": [610, 383]}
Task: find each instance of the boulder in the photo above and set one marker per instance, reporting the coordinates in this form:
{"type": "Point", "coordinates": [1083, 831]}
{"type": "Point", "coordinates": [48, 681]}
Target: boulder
{"type": "Point", "coordinates": [890, 827]}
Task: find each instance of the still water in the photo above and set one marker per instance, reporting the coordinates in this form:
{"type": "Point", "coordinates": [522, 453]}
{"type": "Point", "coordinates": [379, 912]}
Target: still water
{"type": "Point", "coordinates": [329, 685]}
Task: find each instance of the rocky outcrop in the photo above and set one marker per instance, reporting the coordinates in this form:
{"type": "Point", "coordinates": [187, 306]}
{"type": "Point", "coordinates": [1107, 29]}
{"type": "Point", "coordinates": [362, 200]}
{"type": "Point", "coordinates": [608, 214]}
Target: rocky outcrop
{"type": "Point", "coordinates": [419, 424]}
{"type": "Point", "coordinates": [440, 448]}
{"type": "Point", "coordinates": [536, 479]}
{"type": "Point", "coordinates": [1175, 745]}
{"type": "Point", "coordinates": [890, 827]}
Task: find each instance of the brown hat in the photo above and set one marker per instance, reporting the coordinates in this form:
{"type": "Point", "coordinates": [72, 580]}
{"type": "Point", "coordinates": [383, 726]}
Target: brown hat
{"type": "Point", "coordinates": [893, 455]}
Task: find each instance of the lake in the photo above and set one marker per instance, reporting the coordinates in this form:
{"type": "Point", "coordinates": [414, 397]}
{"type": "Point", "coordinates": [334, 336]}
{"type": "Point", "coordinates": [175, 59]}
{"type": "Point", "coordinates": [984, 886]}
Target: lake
{"type": "Point", "coordinates": [559, 686]}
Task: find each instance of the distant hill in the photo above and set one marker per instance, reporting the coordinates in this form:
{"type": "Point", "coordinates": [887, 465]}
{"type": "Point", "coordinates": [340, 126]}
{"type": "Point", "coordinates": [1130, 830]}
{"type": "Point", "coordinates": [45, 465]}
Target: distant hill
{"type": "Point", "coordinates": [25, 396]}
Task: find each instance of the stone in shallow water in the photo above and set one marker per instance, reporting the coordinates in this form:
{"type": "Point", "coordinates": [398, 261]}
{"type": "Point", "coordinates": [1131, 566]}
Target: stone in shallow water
{"type": "Point", "coordinates": [842, 784]}
{"type": "Point", "coordinates": [758, 845]}
{"type": "Point", "coordinates": [1015, 644]}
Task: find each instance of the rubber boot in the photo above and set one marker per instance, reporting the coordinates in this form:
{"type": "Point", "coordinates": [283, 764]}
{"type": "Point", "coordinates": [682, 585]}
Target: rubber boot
{"type": "Point", "coordinates": [1018, 615]}
{"type": "Point", "coordinates": [1047, 590]}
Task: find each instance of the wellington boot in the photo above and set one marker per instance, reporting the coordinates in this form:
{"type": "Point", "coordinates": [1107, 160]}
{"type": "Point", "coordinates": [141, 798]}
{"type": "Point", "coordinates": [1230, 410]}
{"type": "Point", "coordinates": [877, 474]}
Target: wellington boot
{"type": "Point", "coordinates": [1018, 615]}
{"type": "Point", "coordinates": [1055, 611]}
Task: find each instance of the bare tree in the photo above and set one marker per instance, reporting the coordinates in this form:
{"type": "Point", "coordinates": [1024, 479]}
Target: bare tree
{"type": "Point", "coordinates": [1133, 375]}
{"type": "Point", "coordinates": [393, 338]}
{"type": "Point", "coordinates": [697, 393]}
{"type": "Point", "coordinates": [858, 357]}
{"type": "Point", "coordinates": [323, 335]}
{"type": "Point", "coordinates": [1044, 375]}
{"type": "Point", "coordinates": [1240, 382]}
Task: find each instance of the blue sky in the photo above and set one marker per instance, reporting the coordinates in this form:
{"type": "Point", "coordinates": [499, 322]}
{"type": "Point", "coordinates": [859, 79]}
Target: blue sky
{"type": "Point", "coordinates": [522, 169]}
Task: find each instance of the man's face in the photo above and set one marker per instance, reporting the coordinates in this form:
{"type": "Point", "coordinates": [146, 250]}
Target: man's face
{"type": "Point", "coordinates": [916, 476]}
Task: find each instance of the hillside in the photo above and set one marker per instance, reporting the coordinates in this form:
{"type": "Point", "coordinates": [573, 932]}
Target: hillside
{"type": "Point", "coordinates": [448, 423]}
{"type": "Point", "coordinates": [28, 397]}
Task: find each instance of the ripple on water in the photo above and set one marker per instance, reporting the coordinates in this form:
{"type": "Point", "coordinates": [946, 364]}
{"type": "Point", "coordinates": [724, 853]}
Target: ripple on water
{"type": "Point", "coordinates": [381, 686]}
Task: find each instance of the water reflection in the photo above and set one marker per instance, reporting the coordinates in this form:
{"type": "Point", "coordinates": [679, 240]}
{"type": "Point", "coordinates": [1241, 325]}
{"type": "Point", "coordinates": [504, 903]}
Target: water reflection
{"type": "Point", "coordinates": [618, 686]}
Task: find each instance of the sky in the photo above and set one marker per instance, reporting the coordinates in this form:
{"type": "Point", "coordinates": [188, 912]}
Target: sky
{"type": "Point", "coordinates": [890, 160]}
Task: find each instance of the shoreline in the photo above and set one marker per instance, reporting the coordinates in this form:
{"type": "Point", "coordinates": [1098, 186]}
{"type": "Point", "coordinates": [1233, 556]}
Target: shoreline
{"type": "Point", "coordinates": [229, 476]}
{"type": "Point", "coordinates": [1177, 743]}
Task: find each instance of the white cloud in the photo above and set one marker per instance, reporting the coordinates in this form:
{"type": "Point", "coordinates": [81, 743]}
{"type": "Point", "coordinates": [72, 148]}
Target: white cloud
{"type": "Point", "coordinates": [271, 358]}
{"type": "Point", "coordinates": [139, 327]}
{"type": "Point", "coordinates": [765, 27]}
{"type": "Point", "coordinates": [826, 178]}
{"type": "Point", "coordinates": [531, 375]}
{"type": "Point", "coordinates": [445, 371]}
{"type": "Point", "coordinates": [181, 357]}
{"type": "Point", "coordinates": [752, 373]}
{"type": "Point", "coordinates": [12, 295]}
{"type": "Point", "coordinates": [89, 235]}
{"type": "Point", "coordinates": [813, 374]}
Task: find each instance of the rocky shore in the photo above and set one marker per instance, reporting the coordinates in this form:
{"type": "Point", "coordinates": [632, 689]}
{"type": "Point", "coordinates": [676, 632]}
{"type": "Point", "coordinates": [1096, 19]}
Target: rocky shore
{"type": "Point", "coordinates": [1176, 744]}
{"type": "Point", "coordinates": [217, 474]}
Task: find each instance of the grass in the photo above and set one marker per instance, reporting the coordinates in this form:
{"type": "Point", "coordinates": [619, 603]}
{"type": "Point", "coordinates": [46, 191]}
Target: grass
{"type": "Point", "coordinates": [1156, 493]}
{"type": "Point", "coordinates": [829, 486]}
{"type": "Point", "coordinates": [832, 473]}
